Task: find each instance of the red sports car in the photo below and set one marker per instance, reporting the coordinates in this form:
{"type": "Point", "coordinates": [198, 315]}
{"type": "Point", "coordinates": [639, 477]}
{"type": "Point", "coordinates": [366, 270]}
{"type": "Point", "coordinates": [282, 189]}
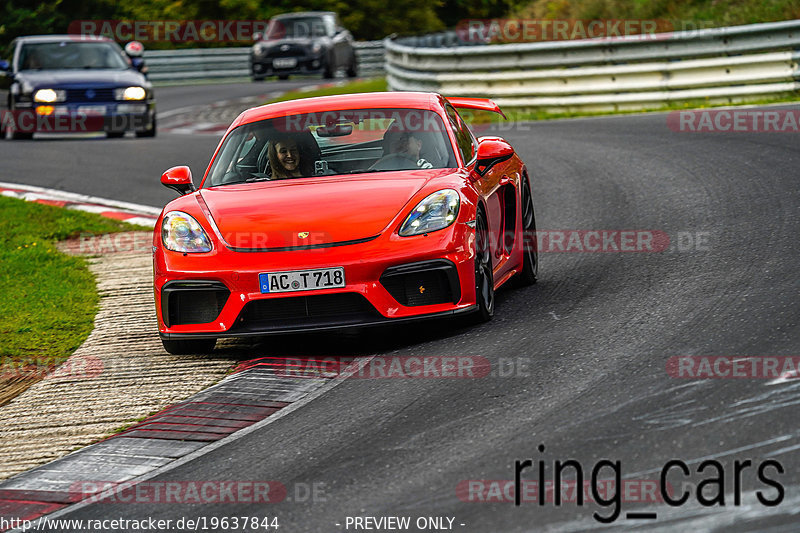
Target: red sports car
{"type": "Point", "coordinates": [341, 211]}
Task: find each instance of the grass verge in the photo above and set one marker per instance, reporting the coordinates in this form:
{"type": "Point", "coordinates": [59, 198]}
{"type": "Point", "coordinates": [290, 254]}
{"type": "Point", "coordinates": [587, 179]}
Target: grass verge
{"type": "Point", "coordinates": [48, 299]}
{"type": "Point", "coordinates": [371, 85]}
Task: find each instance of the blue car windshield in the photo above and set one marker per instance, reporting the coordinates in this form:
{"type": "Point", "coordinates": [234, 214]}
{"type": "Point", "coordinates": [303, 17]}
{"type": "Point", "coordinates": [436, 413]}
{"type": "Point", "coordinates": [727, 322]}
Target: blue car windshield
{"type": "Point", "coordinates": [70, 55]}
{"type": "Point", "coordinates": [333, 142]}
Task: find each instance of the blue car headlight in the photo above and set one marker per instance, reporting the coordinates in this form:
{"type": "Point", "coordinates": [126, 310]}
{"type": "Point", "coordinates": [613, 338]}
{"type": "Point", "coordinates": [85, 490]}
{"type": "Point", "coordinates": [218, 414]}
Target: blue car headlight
{"type": "Point", "coordinates": [436, 211]}
{"type": "Point", "coordinates": [180, 232]}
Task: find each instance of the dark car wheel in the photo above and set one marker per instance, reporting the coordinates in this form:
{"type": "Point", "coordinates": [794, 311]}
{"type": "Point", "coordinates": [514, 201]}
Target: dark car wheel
{"type": "Point", "coordinates": [115, 134]}
{"type": "Point", "coordinates": [530, 254]}
{"type": "Point", "coordinates": [15, 135]}
{"type": "Point", "coordinates": [21, 135]}
{"type": "Point", "coordinates": [189, 346]}
{"type": "Point", "coordinates": [149, 132]}
{"type": "Point", "coordinates": [352, 69]}
{"type": "Point", "coordinates": [283, 76]}
{"type": "Point", "coordinates": [484, 277]}
{"type": "Point", "coordinates": [328, 69]}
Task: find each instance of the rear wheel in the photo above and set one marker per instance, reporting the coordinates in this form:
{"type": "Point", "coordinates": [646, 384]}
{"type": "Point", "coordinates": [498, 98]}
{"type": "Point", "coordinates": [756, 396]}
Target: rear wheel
{"type": "Point", "coordinates": [189, 346]}
{"type": "Point", "coordinates": [530, 254]}
{"type": "Point", "coordinates": [115, 134]}
{"type": "Point", "coordinates": [283, 76]}
{"type": "Point", "coordinates": [484, 275]}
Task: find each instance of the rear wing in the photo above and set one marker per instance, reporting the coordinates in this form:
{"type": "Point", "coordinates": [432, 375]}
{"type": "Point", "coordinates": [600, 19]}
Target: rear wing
{"type": "Point", "coordinates": [483, 104]}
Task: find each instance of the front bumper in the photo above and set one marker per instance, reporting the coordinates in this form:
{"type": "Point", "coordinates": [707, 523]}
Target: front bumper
{"type": "Point", "coordinates": [264, 66]}
{"type": "Point", "coordinates": [389, 279]}
{"type": "Point", "coordinates": [67, 117]}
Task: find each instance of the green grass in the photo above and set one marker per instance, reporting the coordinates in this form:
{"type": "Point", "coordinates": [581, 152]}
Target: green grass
{"type": "Point", "coordinates": [371, 85]}
{"type": "Point", "coordinates": [48, 299]}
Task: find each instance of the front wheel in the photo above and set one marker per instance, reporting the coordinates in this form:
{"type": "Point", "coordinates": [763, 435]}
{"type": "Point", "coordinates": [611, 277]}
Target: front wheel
{"type": "Point", "coordinates": [150, 132]}
{"type": "Point", "coordinates": [484, 274]}
{"type": "Point", "coordinates": [352, 69]}
{"type": "Point", "coordinates": [189, 346]}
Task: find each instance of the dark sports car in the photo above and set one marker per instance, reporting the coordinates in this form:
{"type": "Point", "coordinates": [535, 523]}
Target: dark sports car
{"type": "Point", "coordinates": [340, 211]}
{"type": "Point", "coordinates": [70, 84]}
{"type": "Point", "coordinates": [312, 42]}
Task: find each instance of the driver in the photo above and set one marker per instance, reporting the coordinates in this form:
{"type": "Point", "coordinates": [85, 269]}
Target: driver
{"type": "Point", "coordinates": [404, 151]}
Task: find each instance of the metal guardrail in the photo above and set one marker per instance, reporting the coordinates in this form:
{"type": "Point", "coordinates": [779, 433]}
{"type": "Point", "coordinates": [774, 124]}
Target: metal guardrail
{"type": "Point", "coordinates": [719, 65]}
{"type": "Point", "coordinates": [202, 63]}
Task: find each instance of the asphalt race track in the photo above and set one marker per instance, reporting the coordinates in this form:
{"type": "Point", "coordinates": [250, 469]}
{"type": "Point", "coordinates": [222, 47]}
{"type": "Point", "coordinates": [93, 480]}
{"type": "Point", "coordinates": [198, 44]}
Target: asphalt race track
{"type": "Point", "coordinates": [579, 361]}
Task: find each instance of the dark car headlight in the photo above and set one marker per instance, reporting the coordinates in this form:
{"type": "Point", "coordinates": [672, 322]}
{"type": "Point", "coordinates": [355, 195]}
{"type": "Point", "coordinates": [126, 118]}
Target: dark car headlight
{"type": "Point", "coordinates": [49, 96]}
{"type": "Point", "coordinates": [130, 93]}
{"type": "Point", "coordinates": [316, 48]}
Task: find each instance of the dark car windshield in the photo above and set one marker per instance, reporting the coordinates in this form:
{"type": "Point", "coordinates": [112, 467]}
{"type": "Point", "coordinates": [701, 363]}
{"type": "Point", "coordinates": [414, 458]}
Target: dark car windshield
{"type": "Point", "coordinates": [70, 55]}
{"type": "Point", "coordinates": [296, 27]}
{"type": "Point", "coordinates": [333, 142]}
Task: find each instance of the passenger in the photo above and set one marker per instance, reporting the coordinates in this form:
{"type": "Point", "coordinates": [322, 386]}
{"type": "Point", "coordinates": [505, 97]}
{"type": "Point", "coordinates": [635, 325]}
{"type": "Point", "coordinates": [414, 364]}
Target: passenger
{"type": "Point", "coordinates": [285, 159]}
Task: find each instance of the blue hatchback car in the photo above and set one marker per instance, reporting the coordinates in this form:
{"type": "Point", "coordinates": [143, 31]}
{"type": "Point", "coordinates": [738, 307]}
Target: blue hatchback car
{"type": "Point", "coordinates": [69, 83]}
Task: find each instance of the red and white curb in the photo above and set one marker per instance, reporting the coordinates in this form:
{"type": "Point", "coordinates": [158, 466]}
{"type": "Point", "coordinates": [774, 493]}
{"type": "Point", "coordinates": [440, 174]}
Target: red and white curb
{"type": "Point", "coordinates": [142, 215]}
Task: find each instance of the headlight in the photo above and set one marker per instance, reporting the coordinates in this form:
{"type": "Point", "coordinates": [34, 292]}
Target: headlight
{"type": "Point", "coordinates": [181, 233]}
{"type": "Point", "coordinates": [48, 96]}
{"type": "Point", "coordinates": [259, 49]}
{"type": "Point", "coordinates": [435, 212]}
{"type": "Point", "coordinates": [315, 48]}
{"type": "Point", "coordinates": [130, 93]}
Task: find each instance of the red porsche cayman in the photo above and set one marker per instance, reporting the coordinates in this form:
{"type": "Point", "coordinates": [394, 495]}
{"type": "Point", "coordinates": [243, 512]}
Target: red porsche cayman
{"type": "Point", "coordinates": [341, 211]}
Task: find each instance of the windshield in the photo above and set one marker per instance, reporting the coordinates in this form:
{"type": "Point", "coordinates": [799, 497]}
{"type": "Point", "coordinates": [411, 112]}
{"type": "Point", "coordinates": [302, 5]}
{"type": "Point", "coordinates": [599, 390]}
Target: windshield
{"type": "Point", "coordinates": [333, 142]}
{"type": "Point", "coordinates": [70, 55]}
{"type": "Point", "coordinates": [296, 27]}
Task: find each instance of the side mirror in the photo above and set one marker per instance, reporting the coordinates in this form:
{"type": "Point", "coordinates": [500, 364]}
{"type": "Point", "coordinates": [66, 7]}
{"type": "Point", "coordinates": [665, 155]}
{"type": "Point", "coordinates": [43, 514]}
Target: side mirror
{"type": "Point", "coordinates": [178, 179]}
{"type": "Point", "coordinates": [491, 150]}
{"type": "Point", "coordinates": [257, 36]}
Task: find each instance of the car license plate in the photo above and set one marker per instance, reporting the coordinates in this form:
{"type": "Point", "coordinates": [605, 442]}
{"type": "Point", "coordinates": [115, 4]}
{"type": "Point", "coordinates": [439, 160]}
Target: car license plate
{"type": "Point", "coordinates": [92, 109]}
{"type": "Point", "coordinates": [301, 280]}
{"type": "Point", "coordinates": [285, 62]}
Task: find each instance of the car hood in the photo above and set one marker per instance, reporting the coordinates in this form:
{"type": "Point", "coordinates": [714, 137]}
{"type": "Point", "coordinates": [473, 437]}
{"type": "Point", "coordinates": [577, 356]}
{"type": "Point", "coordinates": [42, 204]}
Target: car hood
{"type": "Point", "coordinates": [81, 77]}
{"type": "Point", "coordinates": [277, 214]}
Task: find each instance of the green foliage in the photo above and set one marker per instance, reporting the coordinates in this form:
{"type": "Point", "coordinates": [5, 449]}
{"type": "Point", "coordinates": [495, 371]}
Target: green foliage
{"type": "Point", "coordinates": [366, 19]}
{"type": "Point", "coordinates": [375, 19]}
{"type": "Point", "coordinates": [688, 14]}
